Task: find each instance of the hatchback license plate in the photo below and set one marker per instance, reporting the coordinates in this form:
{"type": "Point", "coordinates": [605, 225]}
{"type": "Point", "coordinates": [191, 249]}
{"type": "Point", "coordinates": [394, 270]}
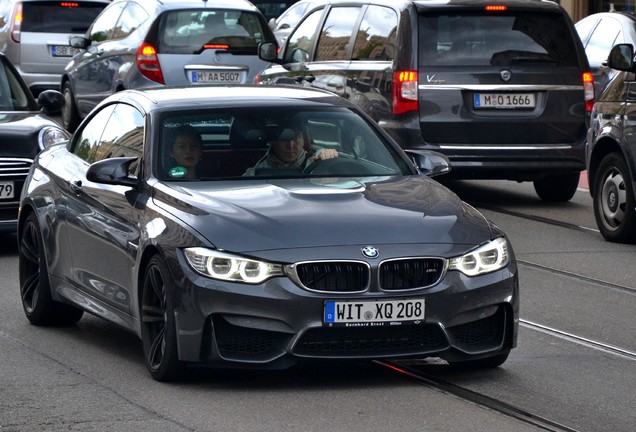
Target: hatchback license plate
{"type": "Point", "coordinates": [216, 77]}
{"type": "Point", "coordinates": [504, 100]}
{"type": "Point", "coordinates": [373, 313]}
{"type": "Point", "coordinates": [63, 51]}
{"type": "Point", "coordinates": [7, 189]}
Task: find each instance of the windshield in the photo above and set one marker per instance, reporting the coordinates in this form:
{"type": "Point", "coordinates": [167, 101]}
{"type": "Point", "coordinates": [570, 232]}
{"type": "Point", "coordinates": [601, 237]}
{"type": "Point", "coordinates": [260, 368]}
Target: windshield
{"type": "Point", "coordinates": [272, 143]}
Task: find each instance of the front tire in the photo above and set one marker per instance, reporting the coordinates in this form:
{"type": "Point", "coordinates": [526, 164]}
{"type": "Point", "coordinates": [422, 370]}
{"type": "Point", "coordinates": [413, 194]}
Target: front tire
{"type": "Point", "coordinates": [35, 288]}
{"type": "Point", "coordinates": [158, 329]}
{"type": "Point", "coordinates": [70, 115]}
{"type": "Point", "coordinates": [614, 200]}
{"type": "Point", "coordinates": [557, 188]}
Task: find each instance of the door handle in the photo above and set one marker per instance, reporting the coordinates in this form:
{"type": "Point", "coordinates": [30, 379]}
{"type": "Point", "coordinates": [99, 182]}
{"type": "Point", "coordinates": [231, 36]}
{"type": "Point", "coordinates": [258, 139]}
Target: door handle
{"type": "Point", "coordinates": [76, 187]}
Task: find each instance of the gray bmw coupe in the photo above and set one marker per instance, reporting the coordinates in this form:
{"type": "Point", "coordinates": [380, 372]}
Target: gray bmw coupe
{"type": "Point", "coordinates": [258, 226]}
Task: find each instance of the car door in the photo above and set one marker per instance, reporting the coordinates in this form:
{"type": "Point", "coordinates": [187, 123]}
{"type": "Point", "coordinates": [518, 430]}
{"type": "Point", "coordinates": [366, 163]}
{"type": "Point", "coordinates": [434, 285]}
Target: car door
{"type": "Point", "coordinates": [317, 53]}
{"type": "Point", "coordinates": [370, 73]}
{"type": "Point", "coordinates": [92, 71]}
{"type": "Point", "coordinates": [102, 227]}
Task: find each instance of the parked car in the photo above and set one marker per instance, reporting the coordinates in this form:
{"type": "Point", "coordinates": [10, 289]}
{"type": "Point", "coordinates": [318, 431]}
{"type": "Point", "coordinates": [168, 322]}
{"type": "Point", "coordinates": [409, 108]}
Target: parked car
{"type": "Point", "coordinates": [504, 90]}
{"type": "Point", "coordinates": [360, 256]}
{"type": "Point", "coordinates": [153, 43]}
{"type": "Point", "coordinates": [611, 160]}
{"type": "Point", "coordinates": [599, 32]}
{"type": "Point", "coordinates": [34, 36]}
{"type": "Point", "coordinates": [25, 129]}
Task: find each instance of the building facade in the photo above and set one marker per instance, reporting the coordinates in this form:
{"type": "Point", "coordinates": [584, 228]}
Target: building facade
{"type": "Point", "coordinates": [582, 8]}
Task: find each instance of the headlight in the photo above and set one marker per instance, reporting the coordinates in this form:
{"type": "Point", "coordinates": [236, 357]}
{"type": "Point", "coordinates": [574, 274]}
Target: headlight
{"type": "Point", "coordinates": [485, 259]}
{"type": "Point", "coordinates": [224, 266]}
{"type": "Point", "coordinates": [52, 135]}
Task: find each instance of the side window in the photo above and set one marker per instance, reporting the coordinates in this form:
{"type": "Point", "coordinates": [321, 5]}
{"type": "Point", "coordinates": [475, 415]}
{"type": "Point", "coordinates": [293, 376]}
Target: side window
{"type": "Point", "coordinates": [301, 42]}
{"type": "Point", "coordinates": [132, 16]}
{"type": "Point", "coordinates": [86, 144]}
{"type": "Point", "coordinates": [603, 38]}
{"type": "Point", "coordinates": [333, 43]}
{"type": "Point", "coordinates": [101, 28]}
{"type": "Point", "coordinates": [584, 27]}
{"type": "Point", "coordinates": [376, 39]}
{"type": "Point", "coordinates": [123, 135]}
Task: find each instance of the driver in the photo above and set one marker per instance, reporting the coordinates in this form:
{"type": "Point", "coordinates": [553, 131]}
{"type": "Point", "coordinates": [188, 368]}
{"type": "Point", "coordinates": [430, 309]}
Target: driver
{"type": "Point", "coordinates": [288, 151]}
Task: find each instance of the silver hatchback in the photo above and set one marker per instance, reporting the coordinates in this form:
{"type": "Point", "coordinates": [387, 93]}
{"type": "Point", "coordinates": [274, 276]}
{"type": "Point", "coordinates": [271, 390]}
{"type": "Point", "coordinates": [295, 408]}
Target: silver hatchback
{"type": "Point", "coordinates": [34, 36]}
{"type": "Point", "coordinates": [155, 43]}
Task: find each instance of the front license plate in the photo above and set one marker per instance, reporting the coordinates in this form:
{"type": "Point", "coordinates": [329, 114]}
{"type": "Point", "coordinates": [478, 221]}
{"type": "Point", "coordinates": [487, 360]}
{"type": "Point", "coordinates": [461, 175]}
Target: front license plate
{"type": "Point", "coordinates": [373, 313]}
{"type": "Point", "coordinates": [7, 189]}
{"type": "Point", "coordinates": [63, 51]}
{"type": "Point", "coordinates": [504, 100]}
{"type": "Point", "coordinates": [216, 77]}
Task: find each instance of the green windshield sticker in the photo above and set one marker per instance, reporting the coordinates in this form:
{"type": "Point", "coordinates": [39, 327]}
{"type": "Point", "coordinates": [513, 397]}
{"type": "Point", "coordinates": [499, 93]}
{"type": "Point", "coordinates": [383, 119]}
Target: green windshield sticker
{"type": "Point", "coordinates": [177, 172]}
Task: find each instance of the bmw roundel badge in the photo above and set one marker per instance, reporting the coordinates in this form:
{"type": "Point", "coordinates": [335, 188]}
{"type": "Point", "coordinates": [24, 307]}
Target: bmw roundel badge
{"type": "Point", "coordinates": [370, 252]}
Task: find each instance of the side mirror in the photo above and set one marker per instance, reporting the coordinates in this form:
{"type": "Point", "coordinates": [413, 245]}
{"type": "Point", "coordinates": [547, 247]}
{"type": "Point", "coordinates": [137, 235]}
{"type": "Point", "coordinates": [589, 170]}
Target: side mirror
{"type": "Point", "coordinates": [79, 42]}
{"type": "Point", "coordinates": [272, 23]}
{"type": "Point", "coordinates": [50, 101]}
{"type": "Point", "coordinates": [112, 171]}
{"type": "Point", "coordinates": [430, 163]}
{"type": "Point", "coordinates": [268, 51]}
{"type": "Point", "coordinates": [621, 57]}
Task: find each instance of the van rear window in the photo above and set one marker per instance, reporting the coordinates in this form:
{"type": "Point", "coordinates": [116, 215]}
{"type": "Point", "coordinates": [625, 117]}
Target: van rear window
{"type": "Point", "coordinates": [478, 39]}
{"type": "Point", "coordinates": [59, 17]}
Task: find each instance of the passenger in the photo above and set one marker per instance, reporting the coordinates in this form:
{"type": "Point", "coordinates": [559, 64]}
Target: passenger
{"type": "Point", "coordinates": [288, 151]}
{"type": "Point", "coordinates": [186, 152]}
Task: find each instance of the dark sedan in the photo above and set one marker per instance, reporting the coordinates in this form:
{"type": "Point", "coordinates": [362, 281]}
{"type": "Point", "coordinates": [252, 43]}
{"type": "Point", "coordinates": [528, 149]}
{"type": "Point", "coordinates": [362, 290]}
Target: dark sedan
{"type": "Point", "coordinates": [168, 214]}
{"type": "Point", "coordinates": [25, 129]}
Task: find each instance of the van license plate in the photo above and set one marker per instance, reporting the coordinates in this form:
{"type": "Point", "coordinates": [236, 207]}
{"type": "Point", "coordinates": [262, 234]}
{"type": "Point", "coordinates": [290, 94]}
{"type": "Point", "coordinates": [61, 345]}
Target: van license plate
{"type": "Point", "coordinates": [505, 100]}
{"type": "Point", "coordinates": [373, 313]}
{"type": "Point", "coordinates": [63, 51]}
{"type": "Point", "coordinates": [216, 77]}
{"type": "Point", "coordinates": [7, 189]}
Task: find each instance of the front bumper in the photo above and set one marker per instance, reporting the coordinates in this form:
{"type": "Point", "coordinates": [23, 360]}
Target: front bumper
{"type": "Point", "coordinates": [275, 324]}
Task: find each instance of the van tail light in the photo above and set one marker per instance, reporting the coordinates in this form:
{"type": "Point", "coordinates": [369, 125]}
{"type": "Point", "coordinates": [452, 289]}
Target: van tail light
{"type": "Point", "coordinates": [404, 92]}
{"type": "Point", "coordinates": [588, 87]}
{"type": "Point", "coordinates": [16, 24]}
{"type": "Point", "coordinates": [148, 63]}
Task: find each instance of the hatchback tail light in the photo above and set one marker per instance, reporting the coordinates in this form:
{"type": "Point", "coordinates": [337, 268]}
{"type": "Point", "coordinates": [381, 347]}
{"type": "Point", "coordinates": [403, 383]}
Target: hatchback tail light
{"type": "Point", "coordinates": [404, 91]}
{"type": "Point", "coordinates": [148, 63]}
{"type": "Point", "coordinates": [588, 86]}
{"type": "Point", "coordinates": [16, 24]}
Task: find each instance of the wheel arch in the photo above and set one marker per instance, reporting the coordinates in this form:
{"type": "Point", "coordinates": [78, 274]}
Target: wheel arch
{"type": "Point", "coordinates": [603, 147]}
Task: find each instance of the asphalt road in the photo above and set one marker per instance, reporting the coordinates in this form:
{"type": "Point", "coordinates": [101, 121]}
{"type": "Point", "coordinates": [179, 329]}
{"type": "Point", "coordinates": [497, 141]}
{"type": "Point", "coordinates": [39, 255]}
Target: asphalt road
{"type": "Point", "coordinates": [574, 366]}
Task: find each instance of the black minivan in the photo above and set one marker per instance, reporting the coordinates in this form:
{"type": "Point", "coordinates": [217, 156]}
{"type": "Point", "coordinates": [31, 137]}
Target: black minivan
{"type": "Point", "coordinates": [503, 88]}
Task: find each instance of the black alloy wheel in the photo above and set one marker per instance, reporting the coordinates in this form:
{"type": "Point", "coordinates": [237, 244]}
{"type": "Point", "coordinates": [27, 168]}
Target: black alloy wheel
{"type": "Point", "coordinates": [35, 288]}
{"type": "Point", "coordinates": [614, 200]}
{"type": "Point", "coordinates": [158, 331]}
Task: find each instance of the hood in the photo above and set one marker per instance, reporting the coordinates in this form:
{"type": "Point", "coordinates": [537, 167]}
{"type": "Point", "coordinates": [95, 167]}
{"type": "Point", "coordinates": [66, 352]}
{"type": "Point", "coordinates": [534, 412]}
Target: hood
{"type": "Point", "coordinates": [250, 215]}
{"type": "Point", "coordinates": [19, 133]}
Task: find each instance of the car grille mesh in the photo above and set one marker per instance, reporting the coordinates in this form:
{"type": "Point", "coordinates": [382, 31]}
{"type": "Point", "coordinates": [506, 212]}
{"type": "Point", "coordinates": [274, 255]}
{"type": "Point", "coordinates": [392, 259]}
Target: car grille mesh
{"type": "Point", "coordinates": [371, 341]}
{"type": "Point", "coordinates": [482, 334]}
{"type": "Point", "coordinates": [352, 276]}
{"type": "Point", "coordinates": [334, 276]}
{"type": "Point", "coordinates": [410, 273]}
{"type": "Point", "coordinates": [16, 168]}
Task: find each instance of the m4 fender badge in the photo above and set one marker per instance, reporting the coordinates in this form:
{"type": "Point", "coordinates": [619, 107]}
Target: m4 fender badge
{"type": "Point", "coordinates": [370, 252]}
